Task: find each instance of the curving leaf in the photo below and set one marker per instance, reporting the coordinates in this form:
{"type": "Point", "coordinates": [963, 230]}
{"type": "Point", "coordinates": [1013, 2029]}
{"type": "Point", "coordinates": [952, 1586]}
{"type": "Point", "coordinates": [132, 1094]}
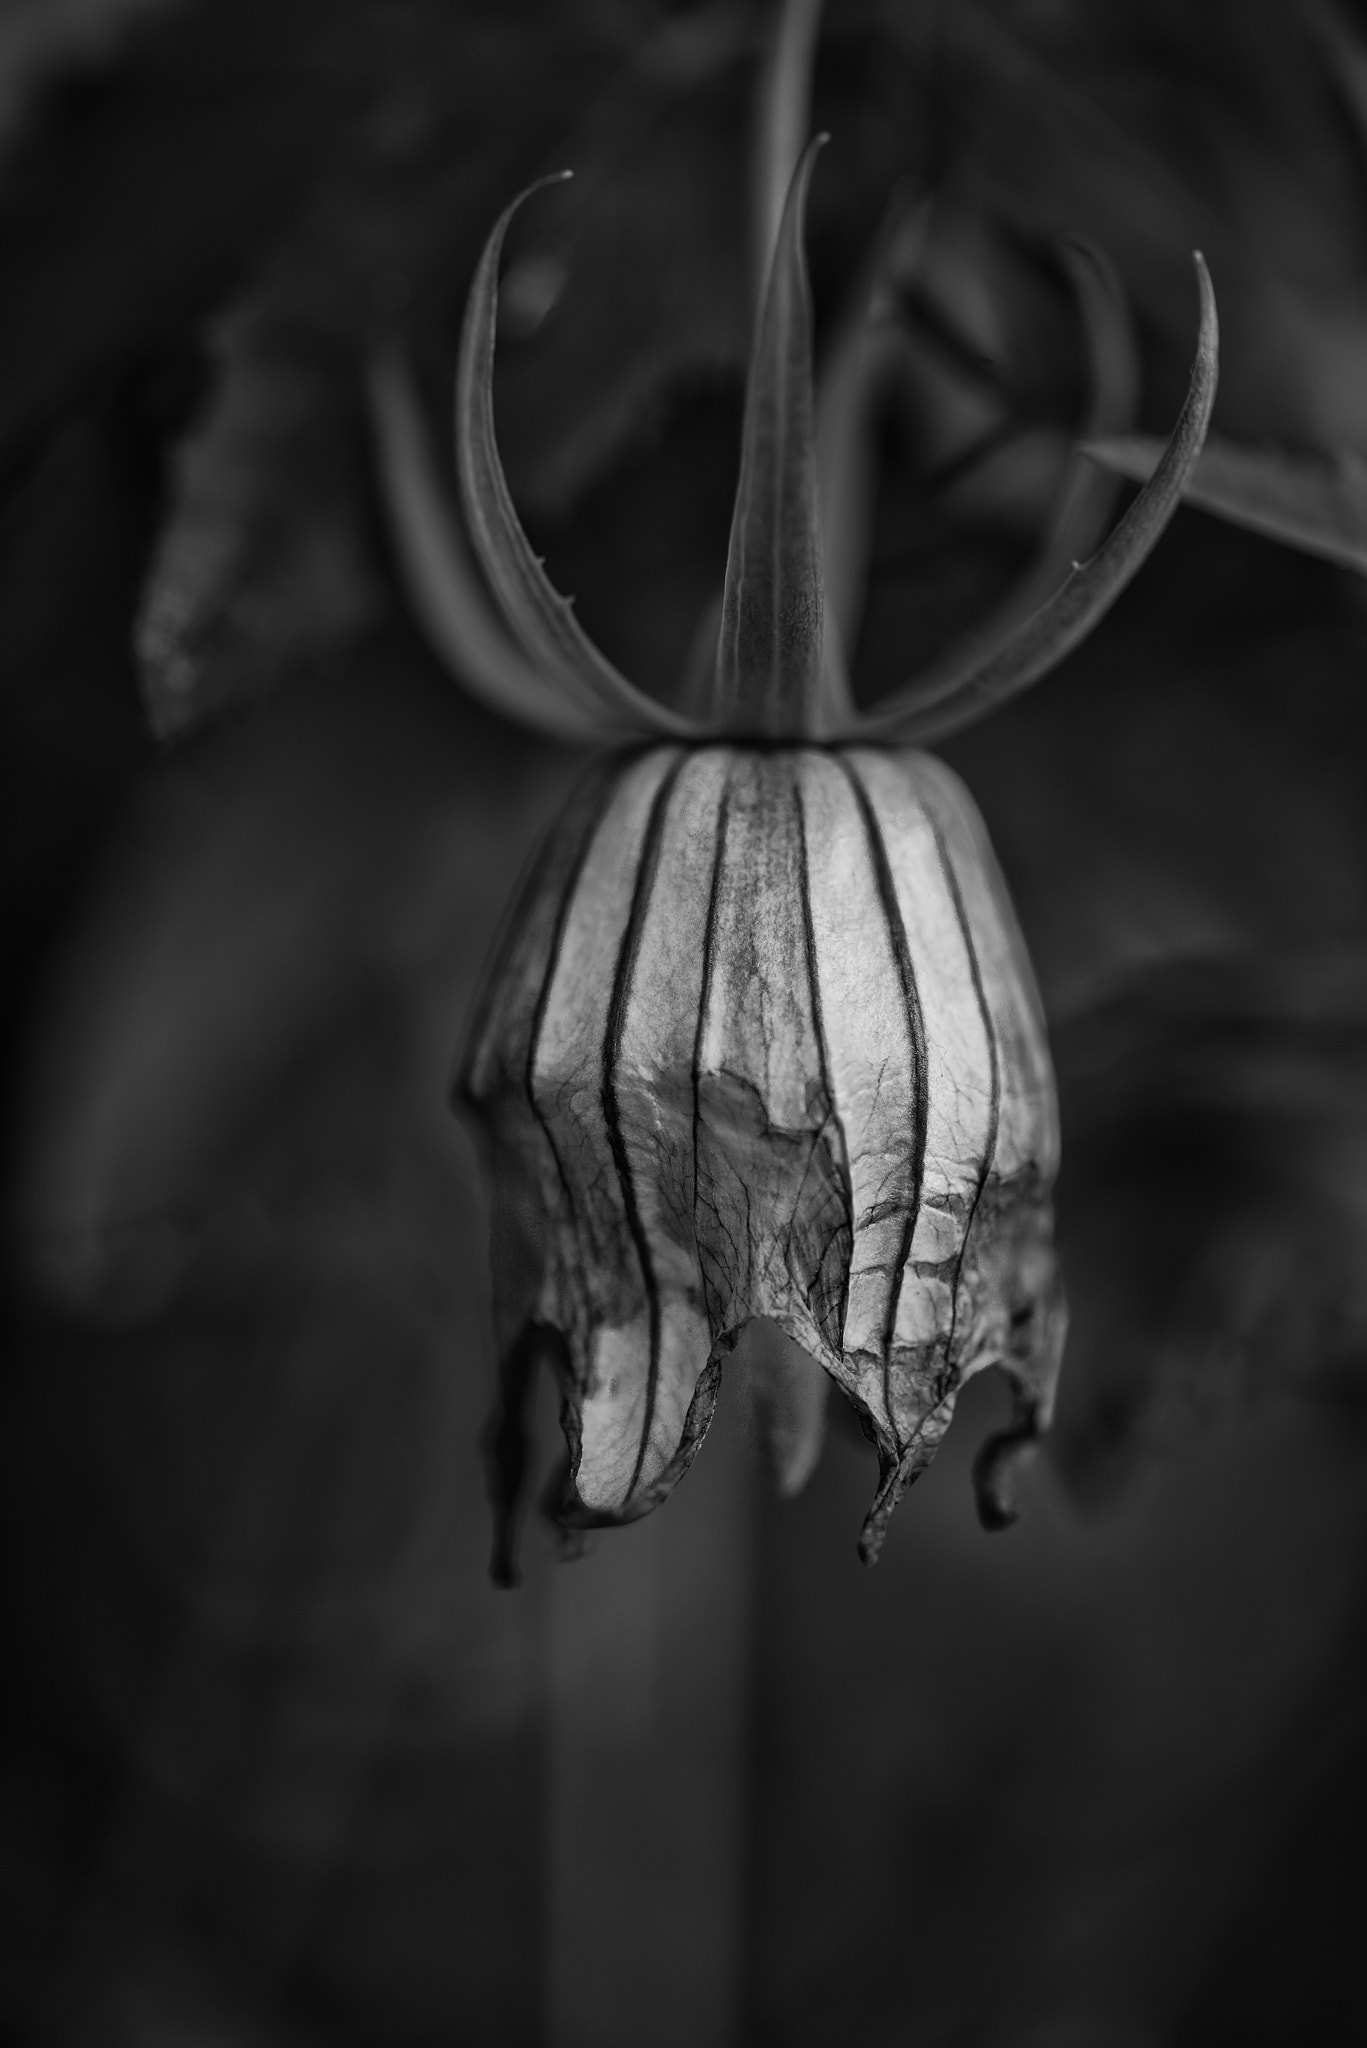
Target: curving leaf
{"type": "Point", "coordinates": [541, 620]}
{"type": "Point", "coordinates": [770, 671]}
{"type": "Point", "coordinates": [858, 360]}
{"type": "Point", "coordinates": [1042, 640]}
{"type": "Point", "coordinates": [442, 580]}
{"type": "Point", "coordinates": [1319, 507]}
{"type": "Point", "coordinates": [1217, 1121]}
{"type": "Point", "coordinates": [1082, 507]}
{"type": "Point", "coordinates": [784, 123]}
{"type": "Point", "coordinates": [261, 565]}
{"type": "Point", "coordinates": [639, 275]}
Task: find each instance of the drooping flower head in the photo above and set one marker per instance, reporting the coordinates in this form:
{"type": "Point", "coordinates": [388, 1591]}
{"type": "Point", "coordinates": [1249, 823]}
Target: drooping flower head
{"type": "Point", "coordinates": [761, 1039]}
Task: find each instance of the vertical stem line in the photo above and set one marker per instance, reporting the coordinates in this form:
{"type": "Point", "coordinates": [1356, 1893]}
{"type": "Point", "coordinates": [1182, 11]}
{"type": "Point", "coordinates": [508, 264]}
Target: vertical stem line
{"type": "Point", "coordinates": [783, 124]}
{"type": "Point", "coordinates": [648, 1672]}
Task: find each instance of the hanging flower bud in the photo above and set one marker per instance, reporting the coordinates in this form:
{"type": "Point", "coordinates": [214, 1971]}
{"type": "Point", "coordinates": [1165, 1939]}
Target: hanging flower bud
{"type": "Point", "coordinates": [764, 1042]}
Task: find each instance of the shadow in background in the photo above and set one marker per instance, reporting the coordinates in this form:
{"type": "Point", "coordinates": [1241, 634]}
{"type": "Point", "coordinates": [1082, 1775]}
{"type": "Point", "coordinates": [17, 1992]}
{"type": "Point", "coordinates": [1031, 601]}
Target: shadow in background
{"type": "Point", "coordinates": [278, 1763]}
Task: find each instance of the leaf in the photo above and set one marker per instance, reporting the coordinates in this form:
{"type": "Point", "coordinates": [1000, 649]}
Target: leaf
{"type": "Point", "coordinates": [769, 654]}
{"type": "Point", "coordinates": [262, 563]}
{"type": "Point", "coordinates": [642, 261]}
{"type": "Point", "coordinates": [856, 365]}
{"type": "Point", "coordinates": [440, 576]}
{"type": "Point", "coordinates": [42, 39]}
{"type": "Point", "coordinates": [1217, 1121]}
{"type": "Point", "coordinates": [784, 123]}
{"type": "Point", "coordinates": [534, 612]}
{"type": "Point", "coordinates": [1319, 507]}
{"type": "Point", "coordinates": [1081, 511]}
{"type": "Point", "coordinates": [1042, 640]}
{"type": "Point", "coordinates": [761, 1043]}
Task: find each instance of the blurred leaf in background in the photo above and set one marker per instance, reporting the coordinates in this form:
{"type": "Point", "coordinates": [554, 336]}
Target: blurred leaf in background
{"type": "Point", "coordinates": [272, 1768]}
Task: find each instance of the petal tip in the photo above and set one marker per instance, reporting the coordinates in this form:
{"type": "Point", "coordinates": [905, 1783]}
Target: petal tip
{"type": "Point", "coordinates": [1000, 1463]}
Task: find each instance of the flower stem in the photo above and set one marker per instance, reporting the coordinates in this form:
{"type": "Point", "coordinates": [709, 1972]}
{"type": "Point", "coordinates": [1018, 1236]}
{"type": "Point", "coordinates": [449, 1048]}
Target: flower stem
{"type": "Point", "coordinates": [648, 1667]}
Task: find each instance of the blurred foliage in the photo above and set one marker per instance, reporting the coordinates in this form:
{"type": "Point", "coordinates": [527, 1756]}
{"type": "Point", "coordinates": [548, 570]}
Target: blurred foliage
{"type": "Point", "coordinates": [271, 1765]}
{"type": "Point", "coordinates": [1318, 506]}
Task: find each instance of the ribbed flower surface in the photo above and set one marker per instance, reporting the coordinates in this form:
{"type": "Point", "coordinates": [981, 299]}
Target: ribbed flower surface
{"type": "Point", "coordinates": [763, 1041]}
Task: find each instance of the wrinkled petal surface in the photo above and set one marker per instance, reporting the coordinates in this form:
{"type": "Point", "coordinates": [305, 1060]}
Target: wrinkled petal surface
{"type": "Point", "coordinates": [764, 1043]}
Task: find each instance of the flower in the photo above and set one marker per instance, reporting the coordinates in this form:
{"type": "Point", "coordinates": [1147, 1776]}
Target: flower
{"type": "Point", "coordinates": [762, 1039]}
{"type": "Point", "coordinates": [765, 1043]}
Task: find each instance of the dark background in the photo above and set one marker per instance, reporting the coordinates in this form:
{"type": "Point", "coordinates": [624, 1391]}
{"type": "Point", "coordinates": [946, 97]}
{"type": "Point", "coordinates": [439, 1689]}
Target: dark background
{"type": "Point", "coordinates": [278, 1765]}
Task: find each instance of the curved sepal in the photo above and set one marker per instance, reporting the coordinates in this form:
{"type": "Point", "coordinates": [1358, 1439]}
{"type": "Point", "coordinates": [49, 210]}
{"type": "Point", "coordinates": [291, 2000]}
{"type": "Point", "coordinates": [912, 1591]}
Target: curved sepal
{"type": "Point", "coordinates": [929, 709]}
{"type": "Point", "coordinates": [540, 619]}
{"type": "Point", "coordinates": [1086, 500]}
{"type": "Point", "coordinates": [785, 103]}
{"type": "Point", "coordinates": [769, 675]}
{"type": "Point", "coordinates": [1317, 506]}
{"type": "Point", "coordinates": [440, 576]}
{"type": "Point", "coordinates": [861, 355]}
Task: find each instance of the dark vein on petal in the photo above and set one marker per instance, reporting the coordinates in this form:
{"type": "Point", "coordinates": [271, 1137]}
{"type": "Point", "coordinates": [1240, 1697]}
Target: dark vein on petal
{"type": "Point", "coordinates": [887, 893]}
{"type": "Point", "coordinates": [994, 1072]}
{"type": "Point", "coordinates": [705, 992]}
{"type": "Point", "coordinates": [649, 860]}
{"type": "Point", "coordinates": [598, 818]}
{"type": "Point", "coordinates": [538, 876]}
{"type": "Point", "coordinates": [819, 1029]}
{"type": "Point", "coordinates": [773, 692]}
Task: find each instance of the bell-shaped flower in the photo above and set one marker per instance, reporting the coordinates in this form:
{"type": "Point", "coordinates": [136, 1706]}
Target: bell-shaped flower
{"type": "Point", "coordinates": [765, 1042]}
{"type": "Point", "coordinates": [761, 1039]}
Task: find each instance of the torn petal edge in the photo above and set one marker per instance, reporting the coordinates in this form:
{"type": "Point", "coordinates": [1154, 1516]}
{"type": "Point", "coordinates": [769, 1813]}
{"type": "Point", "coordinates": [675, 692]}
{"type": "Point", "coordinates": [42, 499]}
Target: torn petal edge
{"type": "Point", "coordinates": [507, 1447]}
{"type": "Point", "coordinates": [573, 1513]}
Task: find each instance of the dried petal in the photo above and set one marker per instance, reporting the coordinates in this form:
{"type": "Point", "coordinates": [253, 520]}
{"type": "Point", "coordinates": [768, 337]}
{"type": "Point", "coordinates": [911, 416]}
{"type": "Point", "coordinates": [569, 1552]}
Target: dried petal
{"type": "Point", "coordinates": [765, 1044]}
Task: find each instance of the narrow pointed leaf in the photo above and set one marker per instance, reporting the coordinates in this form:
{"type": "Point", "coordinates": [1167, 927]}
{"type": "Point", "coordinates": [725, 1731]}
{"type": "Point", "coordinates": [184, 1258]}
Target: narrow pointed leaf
{"type": "Point", "coordinates": [541, 619]}
{"type": "Point", "coordinates": [769, 655]}
{"type": "Point", "coordinates": [1085, 501]}
{"type": "Point", "coordinates": [1041, 641]}
{"type": "Point", "coordinates": [858, 361]}
{"type": "Point", "coordinates": [1319, 507]}
{"type": "Point", "coordinates": [261, 562]}
{"type": "Point", "coordinates": [440, 576]}
{"type": "Point", "coordinates": [784, 123]}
